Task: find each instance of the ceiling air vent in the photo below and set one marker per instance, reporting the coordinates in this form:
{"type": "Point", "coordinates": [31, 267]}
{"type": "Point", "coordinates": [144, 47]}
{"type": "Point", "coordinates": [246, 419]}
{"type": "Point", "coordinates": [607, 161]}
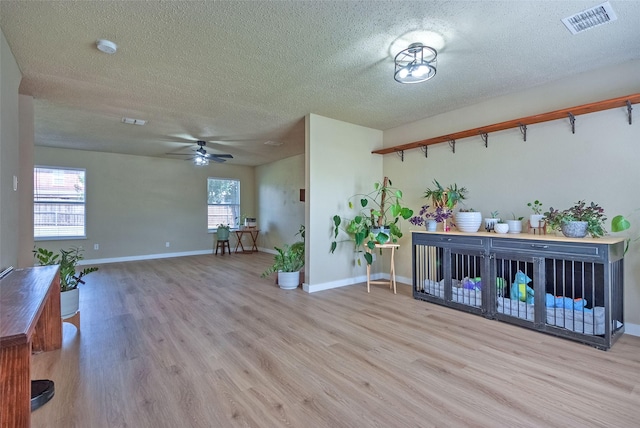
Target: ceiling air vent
{"type": "Point", "coordinates": [590, 18]}
{"type": "Point", "coordinates": [131, 121]}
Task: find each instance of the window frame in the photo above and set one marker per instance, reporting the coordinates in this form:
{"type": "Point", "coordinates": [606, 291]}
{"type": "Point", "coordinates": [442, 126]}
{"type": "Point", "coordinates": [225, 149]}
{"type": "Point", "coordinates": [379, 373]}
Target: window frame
{"type": "Point", "coordinates": [212, 227]}
{"type": "Point", "coordinates": [55, 178]}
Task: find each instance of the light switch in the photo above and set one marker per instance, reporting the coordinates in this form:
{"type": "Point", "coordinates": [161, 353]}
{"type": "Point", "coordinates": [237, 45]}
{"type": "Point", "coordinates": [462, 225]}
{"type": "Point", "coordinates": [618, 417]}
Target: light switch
{"type": "Point", "coordinates": [15, 183]}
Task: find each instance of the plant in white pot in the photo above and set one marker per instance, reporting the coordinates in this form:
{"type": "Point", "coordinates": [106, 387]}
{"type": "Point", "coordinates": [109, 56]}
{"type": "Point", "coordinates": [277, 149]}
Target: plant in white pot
{"type": "Point", "coordinates": [515, 225]}
{"type": "Point", "coordinates": [468, 220]}
{"type": "Point", "coordinates": [430, 219]}
{"type": "Point", "coordinates": [70, 276]}
{"type": "Point", "coordinates": [501, 227]}
{"type": "Point", "coordinates": [287, 262]}
{"type": "Point", "coordinates": [536, 220]}
{"type": "Point", "coordinates": [490, 222]}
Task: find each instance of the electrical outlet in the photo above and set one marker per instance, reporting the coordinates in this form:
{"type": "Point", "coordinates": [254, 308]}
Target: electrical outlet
{"type": "Point", "coordinates": [167, 244]}
{"type": "Point", "coordinates": [96, 246]}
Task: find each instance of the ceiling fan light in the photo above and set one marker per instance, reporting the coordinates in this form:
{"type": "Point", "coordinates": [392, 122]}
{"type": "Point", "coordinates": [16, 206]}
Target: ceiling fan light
{"type": "Point", "coordinates": [200, 161]}
{"type": "Point", "coordinates": [415, 64]}
{"type": "Point", "coordinates": [420, 70]}
{"type": "Point", "coordinates": [404, 72]}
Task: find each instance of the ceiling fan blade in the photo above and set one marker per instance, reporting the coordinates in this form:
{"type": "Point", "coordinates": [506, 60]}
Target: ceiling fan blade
{"type": "Point", "coordinates": [213, 158]}
{"type": "Point", "coordinates": [226, 155]}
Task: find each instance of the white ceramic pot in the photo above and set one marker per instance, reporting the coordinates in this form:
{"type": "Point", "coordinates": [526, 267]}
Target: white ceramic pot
{"type": "Point", "coordinates": [535, 220]}
{"type": "Point", "coordinates": [489, 223]}
{"type": "Point", "coordinates": [288, 280]}
{"type": "Point", "coordinates": [69, 303]}
{"type": "Point", "coordinates": [431, 225]}
{"type": "Point", "coordinates": [501, 228]}
{"type": "Point", "coordinates": [468, 221]}
{"type": "Point", "coordinates": [515, 226]}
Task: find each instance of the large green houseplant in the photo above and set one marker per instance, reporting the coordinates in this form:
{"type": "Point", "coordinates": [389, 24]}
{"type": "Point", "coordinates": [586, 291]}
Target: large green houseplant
{"type": "Point", "coordinates": [70, 276]}
{"type": "Point", "coordinates": [375, 222]}
{"type": "Point", "coordinates": [445, 197]}
{"type": "Point", "coordinates": [288, 262]}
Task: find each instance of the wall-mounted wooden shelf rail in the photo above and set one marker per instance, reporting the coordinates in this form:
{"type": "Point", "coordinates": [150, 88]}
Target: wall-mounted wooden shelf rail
{"type": "Point", "coordinates": [522, 123]}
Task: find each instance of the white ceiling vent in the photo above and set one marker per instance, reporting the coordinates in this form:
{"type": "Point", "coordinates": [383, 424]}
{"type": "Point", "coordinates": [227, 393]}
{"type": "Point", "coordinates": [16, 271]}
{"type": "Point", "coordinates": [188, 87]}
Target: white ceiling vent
{"type": "Point", "coordinates": [131, 121]}
{"type": "Point", "coordinates": [590, 18]}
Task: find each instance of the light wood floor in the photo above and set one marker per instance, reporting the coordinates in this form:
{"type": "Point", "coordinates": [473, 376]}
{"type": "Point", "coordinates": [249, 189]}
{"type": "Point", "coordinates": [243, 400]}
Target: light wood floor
{"type": "Point", "coordinates": [205, 342]}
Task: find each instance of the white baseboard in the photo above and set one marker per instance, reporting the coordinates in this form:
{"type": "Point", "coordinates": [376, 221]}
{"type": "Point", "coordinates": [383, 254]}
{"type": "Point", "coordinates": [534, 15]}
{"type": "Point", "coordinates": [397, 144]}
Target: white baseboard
{"type": "Point", "coordinates": [632, 329]}
{"type": "Point", "coordinates": [351, 281]}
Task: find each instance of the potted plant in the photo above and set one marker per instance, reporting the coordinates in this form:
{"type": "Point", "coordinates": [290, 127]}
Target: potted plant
{"type": "Point", "coordinates": [468, 220]}
{"type": "Point", "coordinates": [430, 218]}
{"type": "Point", "coordinates": [222, 232]}
{"type": "Point", "coordinates": [70, 277]}
{"type": "Point", "coordinates": [376, 221]}
{"type": "Point", "coordinates": [536, 219]}
{"type": "Point", "coordinates": [501, 227]}
{"type": "Point", "coordinates": [445, 198]}
{"type": "Point", "coordinates": [288, 262]}
{"type": "Point", "coordinates": [515, 225]}
{"type": "Point", "coordinates": [578, 221]}
{"type": "Point", "coordinates": [490, 222]}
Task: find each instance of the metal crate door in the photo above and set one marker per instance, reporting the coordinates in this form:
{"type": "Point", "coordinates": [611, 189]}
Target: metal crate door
{"type": "Point", "coordinates": [518, 287]}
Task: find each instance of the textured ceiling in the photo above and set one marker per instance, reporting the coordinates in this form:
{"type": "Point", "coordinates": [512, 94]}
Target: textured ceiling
{"type": "Point", "coordinates": [239, 73]}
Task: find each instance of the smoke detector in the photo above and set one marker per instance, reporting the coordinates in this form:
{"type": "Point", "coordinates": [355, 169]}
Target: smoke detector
{"type": "Point", "coordinates": [590, 18]}
{"type": "Point", "coordinates": [106, 46]}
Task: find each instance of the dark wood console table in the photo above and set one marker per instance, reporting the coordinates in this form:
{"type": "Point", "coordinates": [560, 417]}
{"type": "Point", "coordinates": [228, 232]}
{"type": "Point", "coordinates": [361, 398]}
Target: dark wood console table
{"type": "Point", "coordinates": [30, 322]}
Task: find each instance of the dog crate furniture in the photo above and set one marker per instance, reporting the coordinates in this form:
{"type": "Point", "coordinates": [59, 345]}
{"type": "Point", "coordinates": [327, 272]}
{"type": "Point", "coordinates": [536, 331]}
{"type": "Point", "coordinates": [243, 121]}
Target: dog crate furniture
{"type": "Point", "coordinates": [573, 288]}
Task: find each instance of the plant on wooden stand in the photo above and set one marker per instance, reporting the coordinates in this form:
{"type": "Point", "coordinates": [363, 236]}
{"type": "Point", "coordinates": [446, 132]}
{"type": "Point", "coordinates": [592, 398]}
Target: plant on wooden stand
{"type": "Point", "coordinates": [68, 260]}
{"type": "Point", "coordinates": [70, 277]}
{"type": "Point", "coordinates": [536, 219]}
{"type": "Point", "coordinates": [445, 198]}
{"type": "Point", "coordinates": [376, 221]}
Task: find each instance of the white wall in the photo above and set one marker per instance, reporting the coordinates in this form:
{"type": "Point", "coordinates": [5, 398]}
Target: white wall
{"type": "Point", "coordinates": [25, 180]}
{"type": "Point", "coordinates": [9, 155]}
{"type": "Point", "coordinates": [135, 204]}
{"type": "Point", "coordinates": [599, 162]}
{"type": "Point", "coordinates": [280, 211]}
{"type": "Point", "coordinates": [339, 165]}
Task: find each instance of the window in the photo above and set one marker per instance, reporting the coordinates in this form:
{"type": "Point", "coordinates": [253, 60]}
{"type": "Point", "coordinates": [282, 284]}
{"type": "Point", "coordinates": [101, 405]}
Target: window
{"type": "Point", "coordinates": [58, 203]}
{"type": "Point", "coordinates": [223, 200]}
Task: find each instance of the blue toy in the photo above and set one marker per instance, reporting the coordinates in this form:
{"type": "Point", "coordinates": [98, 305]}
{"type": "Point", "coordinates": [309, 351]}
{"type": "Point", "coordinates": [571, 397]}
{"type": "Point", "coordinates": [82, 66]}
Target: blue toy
{"type": "Point", "coordinates": [520, 290]}
{"type": "Point", "coordinates": [472, 283]}
{"type": "Point", "coordinates": [566, 303]}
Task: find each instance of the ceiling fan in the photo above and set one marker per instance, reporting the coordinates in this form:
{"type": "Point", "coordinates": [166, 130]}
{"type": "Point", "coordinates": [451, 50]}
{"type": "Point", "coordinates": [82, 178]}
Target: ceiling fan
{"type": "Point", "coordinates": [201, 156]}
